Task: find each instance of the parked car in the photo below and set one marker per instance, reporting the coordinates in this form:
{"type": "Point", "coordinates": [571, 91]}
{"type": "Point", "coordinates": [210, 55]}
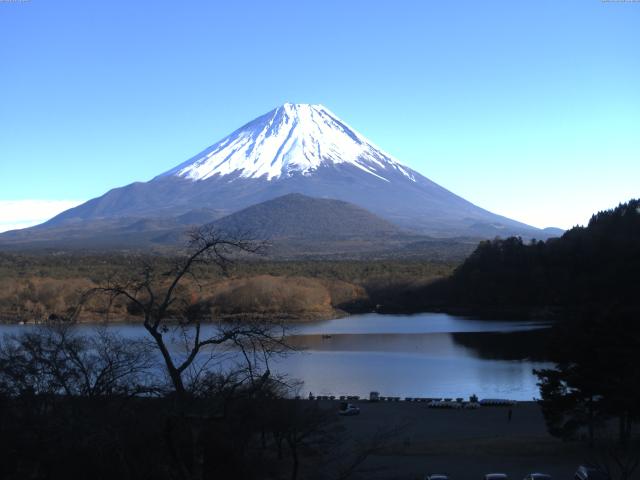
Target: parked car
{"type": "Point", "coordinates": [496, 476]}
{"type": "Point", "coordinates": [436, 476]}
{"type": "Point", "coordinates": [496, 402]}
{"type": "Point", "coordinates": [348, 409]}
{"type": "Point", "coordinates": [374, 396]}
{"type": "Point", "coordinates": [590, 473]}
{"type": "Point", "coordinates": [537, 476]}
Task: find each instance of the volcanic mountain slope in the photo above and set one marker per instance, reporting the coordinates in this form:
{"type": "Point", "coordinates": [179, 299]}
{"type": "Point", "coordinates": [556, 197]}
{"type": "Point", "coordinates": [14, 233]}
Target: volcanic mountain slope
{"type": "Point", "coordinates": [297, 226]}
{"type": "Point", "coordinates": [295, 148]}
{"type": "Point", "coordinates": [296, 216]}
{"type": "Point", "coordinates": [294, 226]}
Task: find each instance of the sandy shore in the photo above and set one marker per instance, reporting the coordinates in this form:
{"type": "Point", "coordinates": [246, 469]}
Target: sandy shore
{"type": "Point", "coordinates": [465, 444]}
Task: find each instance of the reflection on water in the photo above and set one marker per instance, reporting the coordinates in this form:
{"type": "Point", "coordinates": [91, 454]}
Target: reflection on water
{"type": "Point", "coordinates": [369, 323]}
{"type": "Point", "coordinates": [488, 364]}
{"type": "Point", "coordinates": [433, 344]}
{"type": "Point", "coordinates": [424, 355]}
{"type": "Point", "coordinates": [513, 345]}
{"type": "Point", "coordinates": [410, 374]}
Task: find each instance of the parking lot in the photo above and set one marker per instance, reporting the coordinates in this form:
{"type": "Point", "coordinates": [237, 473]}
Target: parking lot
{"type": "Point", "coordinates": [463, 443]}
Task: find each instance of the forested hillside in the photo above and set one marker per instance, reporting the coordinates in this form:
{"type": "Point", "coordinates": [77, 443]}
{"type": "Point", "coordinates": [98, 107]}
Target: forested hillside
{"type": "Point", "coordinates": [588, 266]}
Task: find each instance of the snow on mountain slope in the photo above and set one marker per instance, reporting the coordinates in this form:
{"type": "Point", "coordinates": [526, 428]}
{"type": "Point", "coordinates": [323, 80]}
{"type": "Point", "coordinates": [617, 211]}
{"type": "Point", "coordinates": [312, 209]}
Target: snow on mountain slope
{"type": "Point", "coordinates": [291, 139]}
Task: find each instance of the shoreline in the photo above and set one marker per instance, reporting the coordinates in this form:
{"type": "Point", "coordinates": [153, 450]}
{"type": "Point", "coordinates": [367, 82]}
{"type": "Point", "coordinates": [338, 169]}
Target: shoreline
{"type": "Point", "coordinates": [546, 314]}
{"type": "Point", "coordinates": [225, 318]}
{"type": "Point", "coordinates": [514, 313]}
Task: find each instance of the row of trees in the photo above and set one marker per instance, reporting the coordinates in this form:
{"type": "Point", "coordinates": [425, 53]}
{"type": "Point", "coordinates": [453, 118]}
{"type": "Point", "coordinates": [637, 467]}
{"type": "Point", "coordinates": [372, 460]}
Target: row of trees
{"type": "Point", "coordinates": [587, 267]}
{"type": "Point", "coordinates": [34, 286]}
{"type": "Point", "coordinates": [98, 406]}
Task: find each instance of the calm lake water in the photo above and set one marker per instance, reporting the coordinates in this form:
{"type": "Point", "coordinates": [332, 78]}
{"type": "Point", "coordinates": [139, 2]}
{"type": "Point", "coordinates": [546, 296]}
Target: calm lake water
{"type": "Point", "coordinates": [422, 355]}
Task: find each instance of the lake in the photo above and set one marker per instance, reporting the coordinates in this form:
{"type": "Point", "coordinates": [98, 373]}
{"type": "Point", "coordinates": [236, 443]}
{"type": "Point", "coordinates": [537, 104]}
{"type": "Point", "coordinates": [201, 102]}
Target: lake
{"type": "Point", "coordinates": [421, 355]}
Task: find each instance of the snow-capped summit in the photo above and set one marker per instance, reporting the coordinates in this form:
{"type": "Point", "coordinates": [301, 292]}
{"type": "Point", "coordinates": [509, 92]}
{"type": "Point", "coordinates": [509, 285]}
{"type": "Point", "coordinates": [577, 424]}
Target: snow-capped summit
{"type": "Point", "coordinates": [295, 138]}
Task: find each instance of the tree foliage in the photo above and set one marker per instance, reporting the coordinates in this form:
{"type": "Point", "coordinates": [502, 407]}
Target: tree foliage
{"type": "Point", "coordinates": [595, 378]}
{"type": "Point", "coordinates": [587, 267]}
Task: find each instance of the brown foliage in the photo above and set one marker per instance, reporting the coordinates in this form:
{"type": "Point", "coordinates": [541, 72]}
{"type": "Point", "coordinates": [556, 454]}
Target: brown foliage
{"type": "Point", "coordinates": [34, 287]}
{"type": "Point", "coordinates": [272, 295]}
{"type": "Point", "coordinates": [34, 299]}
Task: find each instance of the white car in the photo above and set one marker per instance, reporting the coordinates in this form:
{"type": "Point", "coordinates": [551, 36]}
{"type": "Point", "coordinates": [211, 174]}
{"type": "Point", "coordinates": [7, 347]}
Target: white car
{"type": "Point", "coordinates": [437, 476]}
{"type": "Point", "coordinates": [496, 476]}
{"type": "Point", "coordinates": [349, 410]}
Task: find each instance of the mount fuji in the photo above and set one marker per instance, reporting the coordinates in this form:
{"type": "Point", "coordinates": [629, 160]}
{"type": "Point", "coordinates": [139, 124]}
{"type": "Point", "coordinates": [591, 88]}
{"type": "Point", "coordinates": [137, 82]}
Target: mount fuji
{"type": "Point", "coordinates": [295, 148]}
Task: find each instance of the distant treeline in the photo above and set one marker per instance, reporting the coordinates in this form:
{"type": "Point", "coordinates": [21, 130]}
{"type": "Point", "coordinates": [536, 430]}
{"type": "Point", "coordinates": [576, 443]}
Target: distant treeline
{"type": "Point", "coordinates": [35, 286]}
{"type": "Point", "coordinates": [587, 267]}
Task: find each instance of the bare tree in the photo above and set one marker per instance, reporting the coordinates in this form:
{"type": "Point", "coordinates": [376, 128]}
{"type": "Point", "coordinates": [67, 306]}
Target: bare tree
{"type": "Point", "coordinates": [162, 301]}
{"type": "Point", "coordinates": [56, 360]}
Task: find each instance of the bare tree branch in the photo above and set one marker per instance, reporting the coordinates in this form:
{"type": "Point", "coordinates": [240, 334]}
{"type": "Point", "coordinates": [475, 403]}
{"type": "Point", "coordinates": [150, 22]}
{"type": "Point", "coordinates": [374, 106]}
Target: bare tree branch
{"type": "Point", "coordinates": [159, 299]}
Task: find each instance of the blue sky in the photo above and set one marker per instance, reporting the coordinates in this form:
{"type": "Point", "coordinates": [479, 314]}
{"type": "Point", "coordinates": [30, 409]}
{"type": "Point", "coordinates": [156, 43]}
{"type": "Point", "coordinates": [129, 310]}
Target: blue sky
{"type": "Point", "coordinates": [529, 109]}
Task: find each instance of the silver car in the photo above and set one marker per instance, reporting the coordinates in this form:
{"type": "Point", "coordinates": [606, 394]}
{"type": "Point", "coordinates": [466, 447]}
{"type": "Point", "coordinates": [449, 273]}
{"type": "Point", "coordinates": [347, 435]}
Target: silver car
{"type": "Point", "coordinates": [496, 476]}
{"type": "Point", "coordinates": [537, 476]}
{"type": "Point", "coordinates": [436, 476]}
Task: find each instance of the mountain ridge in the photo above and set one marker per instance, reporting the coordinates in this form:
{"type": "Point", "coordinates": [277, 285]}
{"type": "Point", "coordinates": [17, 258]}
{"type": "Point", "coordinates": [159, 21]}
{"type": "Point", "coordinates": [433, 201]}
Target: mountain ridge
{"type": "Point", "coordinates": [294, 226]}
{"type": "Point", "coordinates": [295, 148]}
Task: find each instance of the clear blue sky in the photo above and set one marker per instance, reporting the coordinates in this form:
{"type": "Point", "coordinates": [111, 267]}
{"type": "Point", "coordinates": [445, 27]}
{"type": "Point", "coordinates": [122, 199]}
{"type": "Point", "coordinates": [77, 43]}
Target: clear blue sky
{"type": "Point", "coordinates": [528, 108]}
